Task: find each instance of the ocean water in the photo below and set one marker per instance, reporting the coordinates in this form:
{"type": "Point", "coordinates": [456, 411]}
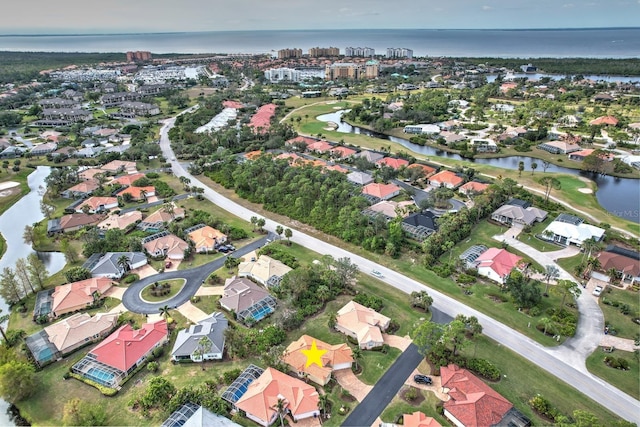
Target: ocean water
{"type": "Point", "coordinates": [587, 43]}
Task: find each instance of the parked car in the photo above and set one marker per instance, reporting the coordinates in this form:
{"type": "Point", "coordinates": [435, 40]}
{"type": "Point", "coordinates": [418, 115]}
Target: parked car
{"type": "Point", "coordinates": [597, 291]}
{"type": "Point", "coordinates": [223, 249]}
{"type": "Point", "coordinates": [376, 273]}
{"type": "Point", "coordinates": [423, 379]}
{"type": "Point", "coordinates": [168, 264]}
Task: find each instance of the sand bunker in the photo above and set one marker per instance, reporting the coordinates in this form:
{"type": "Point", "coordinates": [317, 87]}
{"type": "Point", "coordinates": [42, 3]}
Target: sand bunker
{"type": "Point", "coordinates": [8, 184]}
{"type": "Point", "coordinates": [585, 190]}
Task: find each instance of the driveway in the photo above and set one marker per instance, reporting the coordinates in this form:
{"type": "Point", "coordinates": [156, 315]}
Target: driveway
{"type": "Point", "coordinates": [435, 387]}
{"type": "Point", "coordinates": [192, 312]}
{"type": "Point", "coordinates": [401, 343]}
{"type": "Point", "coordinates": [194, 279]}
{"type": "Point", "coordinates": [204, 291]}
{"type": "Point", "coordinates": [348, 380]}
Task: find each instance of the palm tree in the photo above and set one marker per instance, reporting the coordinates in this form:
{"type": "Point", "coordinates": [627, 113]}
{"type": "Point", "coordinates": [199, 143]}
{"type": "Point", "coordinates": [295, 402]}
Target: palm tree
{"type": "Point", "coordinates": [281, 409]}
{"type": "Point", "coordinates": [356, 353]}
{"type": "Point", "coordinates": [169, 208]}
{"type": "Point", "coordinates": [546, 322]}
{"type": "Point", "coordinates": [143, 194]}
{"type": "Point", "coordinates": [323, 293]}
{"type": "Point", "coordinates": [3, 319]}
{"type": "Point", "coordinates": [551, 273]}
{"type": "Point", "coordinates": [323, 400]}
{"type": "Point", "coordinates": [279, 231]}
{"type": "Point", "coordinates": [164, 310]}
{"type": "Point", "coordinates": [520, 168]}
{"type": "Point", "coordinates": [288, 233]}
{"type": "Point", "coordinates": [613, 275]}
{"type": "Point", "coordinates": [123, 263]}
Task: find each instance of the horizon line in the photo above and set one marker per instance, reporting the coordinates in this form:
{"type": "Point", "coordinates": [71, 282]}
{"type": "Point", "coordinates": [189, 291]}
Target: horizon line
{"type": "Point", "coordinates": [129, 33]}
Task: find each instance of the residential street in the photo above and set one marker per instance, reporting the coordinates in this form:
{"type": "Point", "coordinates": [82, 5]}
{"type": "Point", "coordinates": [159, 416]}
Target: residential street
{"type": "Point", "coordinates": [615, 400]}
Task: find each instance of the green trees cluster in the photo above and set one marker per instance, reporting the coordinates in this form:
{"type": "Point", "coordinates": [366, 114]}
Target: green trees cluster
{"type": "Point", "coordinates": [241, 342]}
{"type": "Point", "coordinates": [27, 277]}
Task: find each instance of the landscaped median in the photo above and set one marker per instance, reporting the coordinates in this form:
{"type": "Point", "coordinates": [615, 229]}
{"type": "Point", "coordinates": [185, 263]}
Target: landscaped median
{"type": "Point", "coordinates": [162, 290]}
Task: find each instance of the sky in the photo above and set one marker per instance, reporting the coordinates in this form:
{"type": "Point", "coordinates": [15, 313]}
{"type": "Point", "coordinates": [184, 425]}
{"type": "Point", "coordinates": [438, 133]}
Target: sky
{"type": "Point", "coordinates": [143, 16]}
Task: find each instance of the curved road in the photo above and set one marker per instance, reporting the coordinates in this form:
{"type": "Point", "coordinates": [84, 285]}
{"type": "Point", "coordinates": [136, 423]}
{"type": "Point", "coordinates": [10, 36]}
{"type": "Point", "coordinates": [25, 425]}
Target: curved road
{"type": "Point", "coordinates": [195, 277]}
{"type": "Point", "coordinates": [550, 360]}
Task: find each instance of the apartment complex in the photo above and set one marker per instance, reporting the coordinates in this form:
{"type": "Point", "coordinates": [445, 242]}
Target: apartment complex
{"type": "Point", "coordinates": [349, 70]}
{"type": "Point", "coordinates": [289, 53]}
{"type": "Point", "coordinates": [275, 75]}
{"type": "Point", "coordinates": [317, 52]}
{"type": "Point", "coordinates": [399, 52]}
{"type": "Point", "coordinates": [138, 56]}
{"type": "Point", "coordinates": [364, 52]}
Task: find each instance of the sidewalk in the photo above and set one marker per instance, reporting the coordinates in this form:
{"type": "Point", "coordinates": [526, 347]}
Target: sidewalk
{"type": "Point", "coordinates": [619, 343]}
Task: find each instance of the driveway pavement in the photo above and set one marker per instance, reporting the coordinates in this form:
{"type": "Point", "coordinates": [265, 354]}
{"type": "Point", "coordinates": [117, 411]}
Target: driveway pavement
{"type": "Point", "coordinates": [204, 291]}
{"type": "Point", "coordinates": [435, 387]}
{"type": "Point", "coordinates": [115, 292]}
{"type": "Point", "coordinates": [350, 382]}
{"type": "Point", "coordinates": [194, 279]}
{"type": "Point", "coordinates": [401, 343]}
{"type": "Point", "coordinates": [192, 312]}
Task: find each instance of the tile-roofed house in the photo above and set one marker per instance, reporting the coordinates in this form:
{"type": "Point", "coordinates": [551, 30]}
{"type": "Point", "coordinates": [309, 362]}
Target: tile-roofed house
{"type": "Point", "coordinates": [262, 395]}
{"type": "Point", "coordinates": [78, 295]}
{"type": "Point", "coordinates": [360, 178]}
{"type": "Point", "coordinates": [165, 245]}
{"type": "Point", "coordinates": [41, 149]}
{"type": "Point", "coordinates": [301, 140]}
{"type": "Point", "coordinates": [98, 204]}
{"type": "Point", "coordinates": [69, 334]}
{"type": "Point", "coordinates": [139, 193]}
{"type": "Point", "coordinates": [559, 147]}
{"type": "Point", "coordinates": [362, 323]}
{"type": "Point", "coordinates": [580, 155]}
{"type": "Point", "coordinates": [246, 299]}
{"type": "Point", "coordinates": [337, 168]}
{"type": "Point", "coordinates": [389, 209]}
{"type": "Point", "coordinates": [232, 104]}
{"type": "Point", "coordinates": [264, 270]}
{"type": "Point", "coordinates": [471, 402]}
{"type": "Point", "coordinates": [261, 120]}
{"type": "Point", "coordinates": [447, 179]}
{"type": "Point", "coordinates": [71, 222]}
{"type": "Point", "coordinates": [418, 419]}
{"type": "Point", "coordinates": [90, 173]}
{"type": "Point", "coordinates": [426, 170]}
{"type": "Point", "coordinates": [473, 187]}
{"type": "Point", "coordinates": [188, 345]}
{"type": "Point", "coordinates": [72, 332]}
{"type": "Point", "coordinates": [165, 215]}
{"type": "Point", "coordinates": [122, 352]}
{"type": "Point", "coordinates": [625, 261]}
{"type": "Point", "coordinates": [604, 120]}
{"type": "Point", "coordinates": [120, 222]}
{"type": "Point", "coordinates": [381, 191]}
{"type": "Point", "coordinates": [118, 166]}
{"type": "Point", "coordinates": [392, 162]}
{"type": "Point", "coordinates": [567, 233]}
{"type": "Point", "coordinates": [497, 264]}
{"type": "Point", "coordinates": [80, 190]}
{"type": "Point", "coordinates": [106, 265]}
{"type": "Point", "coordinates": [451, 137]}
{"type": "Point", "coordinates": [342, 152]}
{"type": "Point", "coordinates": [336, 357]}
{"type": "Point", "coordinates": [513, 215]}
{"type": "Point", "coordinates": [320, 146]}
{"type": "Point", "coordinates": [127, 180]}
{"type": "Point", "coordinates": [370, 156]}
{"type": "Point", "coordinates": [205, 238]}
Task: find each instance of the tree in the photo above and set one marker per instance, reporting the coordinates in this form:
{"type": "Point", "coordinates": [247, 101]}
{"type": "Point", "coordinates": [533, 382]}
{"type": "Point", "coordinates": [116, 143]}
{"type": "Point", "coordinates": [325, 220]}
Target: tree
{"type": "Point", "coordinates": [47, 209]}
{"type": "Point", "coordinates": [77, 412]}
{"type": "Point", "coordinates": [9, 286]}
{"type": "Point", "coordinates": [169, 208]}
{"type": "Point", "coordinates": [568, 287]}
{"type": "Point", "coordinates": [204, 347]}
{"type": "Point", "coordinates": [22, 271]}
{"type": "Point", "coordinates": [279, 230]}
{"type": "Point", "coordinates": [123, 263]}
{"type": "Point", "coordinates": [69, 252]}
{"type": "Point", "coordinates": [261, 223]}
{"type": "Point", "coordinates": [101, 179]}
{"type": "Point", "coordinates": [288, 233]}
{"type": "Point", "coordinates": [428, 337]}
{"type": "Point", "coordinates": [333, 319]}
{"type": "Point", "coordinates": [159, 391]}
{"type": "Point", "coordinates": [230, 263]}
{"type": "Point", "coordinates": [254, 222]}
{"type": "Point", "coordinates": [421, 299]}
{"type": "Point", "coordinates": [75, 274]}
{"type": "Point", "coordinates": [551, 272]}
{"type": "Point", "coordinates": [323, 401]}
{"type": "Point", "coordinates": [546, 322]}
{"type": "Point", "coordinates": [164, 311]}
{"type": "Point", "coordinates": [3, 318]}
{"type": "Point", "coordinates": [356, 353]}
{"type": "Point", "coordinates": [324, 293]}
{"type": "Point", "coordinates": [454, 334]}
{"type": "Point", "coordinates": [29, 235]}
{"type": "Point", "coordinates": [520, 168]}
{"type": "Point", "coordinates": [281, 407]}
{"type": "Point", "coordinates": [524, 291]}
{"type": "Point", "coordinates": [612, 273]}
{"type": "Point", "coordinates": [545, 165]}
{"type": "Point", "coordinates": [549, 183]}
{"type": "Point", "coordinates": [534, 166]}
{"type": "Point", "coordinates": [346, 270]}
{"type": "Point", "coordinates": [17, 381]}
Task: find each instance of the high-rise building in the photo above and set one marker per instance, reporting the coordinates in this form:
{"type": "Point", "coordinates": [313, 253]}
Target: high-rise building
{"type": "Point", "coordinates": [399, 52]}
{"type": "Point", "coordinates": [349, 70]}
{"type": "Point", "coordinates": [138, 56]}
{"type": "Point", "coordinates": [317, 52]}
{"type": "Point", "coordinates": [289, 53]}
{"type": "Point", "coordinates": [365, 52]}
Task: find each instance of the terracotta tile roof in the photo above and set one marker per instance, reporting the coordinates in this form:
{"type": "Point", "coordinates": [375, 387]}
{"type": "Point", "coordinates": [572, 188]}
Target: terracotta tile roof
{"type": "Point", "coordinates": [78, 220]}
{"type": "Point", "coordinates": [84, 187]}
{"type": "Point", "coordinates": [619, 262]}
{"type": "Point", "coordinates": [604, 120]}
{"type": "Point", "coordinates": [207, 237]}
{"type": "Point", "coordinates": [262, 396]}
{"type": "Point", "coordinates": [319, 146]}
{"type": "Point", "coordinates": [75, 329]}
{"type": "Point", "coordinates": [473, 186]}
{"type": "Point", "coordinates": [251, 155]}
{"type": "Point", "coordinates": [343, 152]}
{"type": "Point", "coordinates": [116, 165]}
{"type": "Point", "coordinates": [381, 191]}
{"type": "Point", "coordinates": [305, 139]}
{"type": "Point", "coordinates": [90, 173]}
{"type": "Point", "coordinates": [363, 321]}
{"type": "Point", "coordinates": [120, 221]}
{"type": "Point", "coordinates": [337, 168]}
{"type": "Point", "coordinates": [127, 180]}
{"type": "Point", "coordinates": [472, 402]}
{"type": "Point", "coordinates": [136, 192]}
{"type": "Point", "coordinates": [126, 346]}
{"type": "Point", "coordinates": [447, 177]}
{"type": "Point", "coordinates": [163, 216]}
{"type": "Point", "coordinates": [335, 355]}
{"type": "Point", "coordinates": [499, 260]}
{"type": "Point", "coordinates": [392, 162]}
{"type": "Point", "coordinates": [72, 296]}
{"type": "Point", "coordinates": [428, 170]}
{"type": "Point", "coordinates": [418, 419]}
{"type": "Point", "coordinates": [262, 118]}
{"type": "Point", "coordinates": [232, 104]}
{"type": "Point", "coordinates": [95, 202]}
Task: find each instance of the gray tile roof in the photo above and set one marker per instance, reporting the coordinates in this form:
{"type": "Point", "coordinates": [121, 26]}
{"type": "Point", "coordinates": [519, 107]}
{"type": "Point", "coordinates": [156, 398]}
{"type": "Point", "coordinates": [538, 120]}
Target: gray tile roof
{"type": "Point", "coordinates": [212, 327]}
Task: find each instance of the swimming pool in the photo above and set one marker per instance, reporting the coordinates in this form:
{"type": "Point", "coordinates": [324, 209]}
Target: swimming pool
{"type": "Point", "coordinates": [100, 376]}
{"type": "Point", "coordinates": [262, 312]}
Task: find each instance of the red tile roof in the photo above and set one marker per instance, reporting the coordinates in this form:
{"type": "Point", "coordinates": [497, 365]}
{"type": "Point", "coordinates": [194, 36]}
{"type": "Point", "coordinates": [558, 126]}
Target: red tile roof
{"type": "Point", "coordinates": [343, 152]}
{"type": "Point", "coordinates": [447, 177]}
{"type": "Point", "coordinates": [136, 192]}
{"type": "Point", "coordinates": [428, 170]}
{"type": "Point", "coordinates": [604, 120]}
{"type": "Point", "coordinates": [499, 260]}
{"type": "Point", "coordinates": [418, 419]}
{"type": "Point", "coordinates": [392, 162]}
{"type": "Point", "coordinates": [262, 118]}
{"type": "Point", "coordinates": [127, 180]}
{"type": "Point", "coordinates": [301, 138]}
{"type": "Point", "coordinates": [319, 146]}
{"type": "Point", "coordinates": [472, 402]}
{"type": "Point", "coordinates": [474, 186]}
{"type": "Point", "coordinates": [381, 191]}
{"type": "Point", "coordinates": [232, 104]}
{"type": "Point", "coordinates": [126, 346]}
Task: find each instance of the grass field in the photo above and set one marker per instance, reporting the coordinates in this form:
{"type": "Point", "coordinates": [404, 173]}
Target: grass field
{"type": "Point", "coordinates": [626, 381]}
{"type": "Point", "coordinates": [621, 323]}
{"type": "Point", "coordinates": [399, 406]}
{"type": "Point", "coordinates": [175, 287]}
{"type": "Point", "coordinates": [20, 177]}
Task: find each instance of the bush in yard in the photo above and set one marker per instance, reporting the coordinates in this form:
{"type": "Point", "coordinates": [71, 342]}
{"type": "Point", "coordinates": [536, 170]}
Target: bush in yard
{"type": "Point", "coordinates": [465, 279]}
{"type": "Point", "coordinates": [230, 376]}
{"type": "Point", "coordinates": [131, 278]}
{"type": "Point", "coordinates": [411, 394]}
{"type": "Point", "coordinates": [543, 407]}
{"type": "Point", "coordinates": [370, 301]}
{"type": "Point", "coordinates": [152, 366]}
{"type": "Point", "coordinates": [484, 368]}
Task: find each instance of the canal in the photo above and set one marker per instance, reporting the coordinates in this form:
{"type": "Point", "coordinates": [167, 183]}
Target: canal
{"type": "Point", "coordinates": [25, 212]}
{"type": "Point", "coordinates": [619, 196]}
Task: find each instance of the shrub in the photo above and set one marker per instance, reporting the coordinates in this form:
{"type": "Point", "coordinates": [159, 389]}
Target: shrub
{"type": "Point", "coordinates": [158, 352]}
{"type": "Point", "coordinates": [484, 368]}
{"type": "Point", "coordinates": [542, 406]}
{"type": "Point", "coordinates": [152, 366]}
{"type": "Point", "coordinates": [535, 311]}
{"type": "Point", "coordinates": [230, 376]}
{"type": "Point", "coordinates": [411, 394]}
{"type": "Point", "coordinates": [130, 278]}
{"type": "Point", "coordinates": [464, 279]}
{"type": "Point", "coordinates": [371, 301]}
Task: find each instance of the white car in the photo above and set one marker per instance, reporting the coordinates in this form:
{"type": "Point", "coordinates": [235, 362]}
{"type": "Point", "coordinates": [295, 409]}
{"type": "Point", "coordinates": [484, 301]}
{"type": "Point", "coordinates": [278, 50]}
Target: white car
{"type": "Point", "coordinates": [376, 273]}
{"type": "Point", "coordinates": [597, 291]}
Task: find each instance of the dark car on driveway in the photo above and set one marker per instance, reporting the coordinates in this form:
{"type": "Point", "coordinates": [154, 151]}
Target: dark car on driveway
{"type": "Point", "coordinates": [423, 379]}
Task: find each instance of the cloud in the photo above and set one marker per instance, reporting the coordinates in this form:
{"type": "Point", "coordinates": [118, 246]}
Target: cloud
{"type": "Point", "coordinates": [569, 5]}
{"type": "Point", "coordinates": [485, 7]}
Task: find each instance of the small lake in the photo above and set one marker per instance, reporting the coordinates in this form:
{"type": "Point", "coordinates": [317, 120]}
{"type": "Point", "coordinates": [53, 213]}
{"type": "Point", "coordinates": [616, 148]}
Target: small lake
{"type": "Point", "coordinates": [619, 196]}
{"type": "Point", "coordinates": [25, 212]}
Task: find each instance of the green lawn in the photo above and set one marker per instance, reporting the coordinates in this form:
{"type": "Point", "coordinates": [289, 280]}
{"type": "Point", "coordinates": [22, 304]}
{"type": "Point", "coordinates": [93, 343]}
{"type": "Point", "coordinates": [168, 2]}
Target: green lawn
{"type": "Point", "coordinates": [375, 364]}
{"type": "Point", "coordinates": [208, 304]}
{"type": "Point", "coordinates": [197, 260]}
{"type": "Point", "coordinates": [425, 403]}
{"type": "Point", "coordinates": [175, 287]}
{"type": "Point", "coordinates": [570, 264]}
{"type": "Point", "coordinates": [3, 245]}
{"type": "Point", "coordinates": [621, 323]}
{"type": "Point", "coordinates": [626, 381]}
{"type": "Point", "coordinates": [20, 177]}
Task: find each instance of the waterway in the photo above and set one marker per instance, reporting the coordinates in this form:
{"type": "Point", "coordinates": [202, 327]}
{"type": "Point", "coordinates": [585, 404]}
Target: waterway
{"type": "Point", "coordinates": [619, 196]}
{"type": "Point", "coordinates": [25, 212]}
